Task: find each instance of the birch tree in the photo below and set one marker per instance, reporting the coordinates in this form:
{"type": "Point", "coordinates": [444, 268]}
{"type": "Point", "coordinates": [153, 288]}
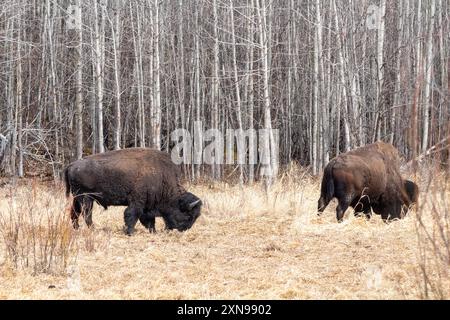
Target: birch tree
{"type": "Point", "coordinates": [429, 71]}
{"type": "Point", "coordinates": [99, 65]}
{"type": "Point", "coordinates": [79, 80]}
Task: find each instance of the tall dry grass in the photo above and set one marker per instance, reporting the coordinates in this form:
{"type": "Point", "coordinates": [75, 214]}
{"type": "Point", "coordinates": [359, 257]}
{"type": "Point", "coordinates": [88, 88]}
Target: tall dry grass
{"type": "Point", "coordinates": [35, 229]}
{"type": "Point", "coordinates": [248, 243]}
{"type": "Point", "coordinates": [433, 235]}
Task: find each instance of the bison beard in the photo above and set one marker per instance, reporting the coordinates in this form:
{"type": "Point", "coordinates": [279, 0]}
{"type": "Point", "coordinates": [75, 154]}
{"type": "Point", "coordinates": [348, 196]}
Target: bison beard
{"type": "Point", "coordinates": [365, 178]}
{"type": "Point", "coordinates": [144, 180]}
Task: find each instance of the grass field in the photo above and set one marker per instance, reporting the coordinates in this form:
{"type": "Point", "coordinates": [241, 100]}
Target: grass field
{"type": "Point", "coordinates": [244, 246]}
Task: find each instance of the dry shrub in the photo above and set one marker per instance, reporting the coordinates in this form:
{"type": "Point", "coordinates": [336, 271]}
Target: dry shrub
{"type": "Point", "coordinates": [433, 231]}
{"type": "Point", "coordinates": [94, 240]}
{"type": "Point", "coordinates": [247, 244]}
{"type": "Point", "coordinates": [36, 231]}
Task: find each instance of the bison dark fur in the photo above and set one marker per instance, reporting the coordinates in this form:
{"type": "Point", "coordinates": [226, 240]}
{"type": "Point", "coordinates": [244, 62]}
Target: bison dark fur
{"type": "Point", "coordinates": [362, 205]}
{"type": "Point", "coordinates": [144, 180]}
{"type": "Point", "coordinates": [412, 190]}
{"type": "Point", "coordinates": [367, 178]}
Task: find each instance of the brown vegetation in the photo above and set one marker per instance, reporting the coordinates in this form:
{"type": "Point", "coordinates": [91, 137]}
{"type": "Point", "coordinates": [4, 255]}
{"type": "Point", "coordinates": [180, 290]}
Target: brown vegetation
{"type": "Point", "coordinates": [243, 246]}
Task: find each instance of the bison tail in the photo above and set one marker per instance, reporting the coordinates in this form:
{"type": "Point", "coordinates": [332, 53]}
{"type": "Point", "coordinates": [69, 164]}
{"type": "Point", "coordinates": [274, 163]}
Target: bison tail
{"type": "Point", "coordinates": [327, 187]}
{"type": "Point", "coordinates": [67, 181]}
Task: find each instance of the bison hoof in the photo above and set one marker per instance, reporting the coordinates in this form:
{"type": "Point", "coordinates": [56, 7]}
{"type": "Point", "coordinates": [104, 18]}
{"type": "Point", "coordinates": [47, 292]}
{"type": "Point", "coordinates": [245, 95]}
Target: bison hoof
{"type": "Point", "coordinates": [129, 231]}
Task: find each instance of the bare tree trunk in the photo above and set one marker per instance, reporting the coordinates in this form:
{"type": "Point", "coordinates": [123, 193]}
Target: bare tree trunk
{"type": "Point", "coordinates": [9, 156]}
{"type": "Point", "coordinates": [19, 107]}
{"type": "Point", "coordinates": [315, 120]}
{"type": "Point", "coordinates": [79, 82]}
{"type": "Point", "coordinates": [443, 63]}
{"type": "Point", "coordinates": [137, 41]}
{"type": "Point", "coordinates": [215, 85]}
{"type": "Point", "coordinates": [93, 103]}
{"type": "Point", "coordinates": [156, 123]}
{"type": "Point", "coordinates": [380, 69]}
{"type": "Point", "coordinates": [290, 94]}
{"type": "Point", "coordinates": [181, 76]}
{"type": "Point", "coordinates": [327, 123]}
{"type": "Point", "coordinates": [53, 80]}
{"type": "Point", "coordinates": [419, 66]}
{"type": "Point", "coordinates": [250, 85]}
{"type": "Point", "coordinates": [115, 29]}
{"type": "Point", "coordinates": [398, 75]}
{"type": "Point", "coordinates": [429, 71]}
{"type": "Point", "coordinates": [236, 84]}
{"type": "Point", "coordinates": [197, 153]}
{"type": "Point", "coordinates": [99, 62]}
{"type": "Point", "coordinates": [343, 89]}
{"type": "Point", "coordinates": [270, 166]}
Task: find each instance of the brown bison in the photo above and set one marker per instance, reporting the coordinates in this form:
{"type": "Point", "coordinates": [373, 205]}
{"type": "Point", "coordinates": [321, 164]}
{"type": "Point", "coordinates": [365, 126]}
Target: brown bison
{"type": "Point", "coordinates": [144, 180]}
{"type": "Point", "coordinates": [362, 205]}
{"type": "Point", "coordinates": [365, 178]}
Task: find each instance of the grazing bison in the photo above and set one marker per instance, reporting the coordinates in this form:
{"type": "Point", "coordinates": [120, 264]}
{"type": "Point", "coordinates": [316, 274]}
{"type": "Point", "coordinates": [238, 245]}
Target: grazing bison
{"type": "Point", "coordinates": [144, 180]}
{"type": "Point", "coordinates": [365, 178]}
{"type": "Point", "coordinates": [362, 205]}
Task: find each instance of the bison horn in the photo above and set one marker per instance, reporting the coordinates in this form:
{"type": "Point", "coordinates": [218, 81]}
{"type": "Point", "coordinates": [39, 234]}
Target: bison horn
{"type": "Point", "coordinates": [193, 204]}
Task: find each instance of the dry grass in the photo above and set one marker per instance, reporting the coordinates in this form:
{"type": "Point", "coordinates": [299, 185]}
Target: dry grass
{"type": "Point", "coordinates": [35, 232]}
{"type": "Point", "coordinates": [433, 230]}
{"type": "Point", "coordinates": [244, 246]}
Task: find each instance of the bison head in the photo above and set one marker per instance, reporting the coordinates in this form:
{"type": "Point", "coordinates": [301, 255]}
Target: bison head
{"type": "Point", "coordinates": [182, 212]}
{"type": "Point", "coordinates": [412, 190]}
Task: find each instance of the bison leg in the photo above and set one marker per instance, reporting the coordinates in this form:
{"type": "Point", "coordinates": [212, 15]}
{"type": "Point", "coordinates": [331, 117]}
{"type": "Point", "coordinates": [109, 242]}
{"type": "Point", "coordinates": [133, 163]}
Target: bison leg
{"type": "Point", "coordinates": [361, 205]}
{"type": "Point", "coordinates": [131, 216]}
{"type": "Point", "coordinates": [367, 212]}
{"type": "Point", "coordinates": [87, 204]}
{"type": "Point", "coordinates": [148, 221]}
{"type": "Point", "coordinates": [81, 205]}
{"type": "Point", "coordinates": [75, 212]}
{"type": "Point", "coordinates": [321, 205]}
{"type": "Point", "coordinates": [358, 206]}
{"type": "Point", "coordinates": [341, 208]}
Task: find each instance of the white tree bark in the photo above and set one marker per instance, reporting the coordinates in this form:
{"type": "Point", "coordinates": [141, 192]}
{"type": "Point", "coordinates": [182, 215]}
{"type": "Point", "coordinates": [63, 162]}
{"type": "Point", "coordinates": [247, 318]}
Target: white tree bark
{"type": "Point", "coordinates": [250, 83]}
{"type": "Point", "coordinates": [315, 119]}
{"type": "Point", "coordinates": [156, 123]}
{"type": "Point", "coordinates": [343, 89]}
{"type": "Point", "coordinates": [215, 84]}
{"type": "Point", "coordinates": [380, 69]}
{"type": "Point", "coordinates": [79, 82]}
{"type": "Point", "coordinates": [429, 72]}
{"type": "Point", "coordinates": [236, 84]}
{"type": "Point", "coordinates": [115, 29]}
{"type": "Point", "coordinates": [397, 95]}
{"type": "Point", "coordinates": [19, 95]}
{"type": "Point", "coordinates": [54, 81]}
{"type": "Point", "coordinates": [270, 167]}
{"type": "Point", "coordinates": [99, 62]}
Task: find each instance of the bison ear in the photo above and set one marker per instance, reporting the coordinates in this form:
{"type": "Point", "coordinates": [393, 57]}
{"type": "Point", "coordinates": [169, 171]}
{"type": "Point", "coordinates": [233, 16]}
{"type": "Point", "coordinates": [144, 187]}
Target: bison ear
{"type": "Point", "coordinates": [192, 205]}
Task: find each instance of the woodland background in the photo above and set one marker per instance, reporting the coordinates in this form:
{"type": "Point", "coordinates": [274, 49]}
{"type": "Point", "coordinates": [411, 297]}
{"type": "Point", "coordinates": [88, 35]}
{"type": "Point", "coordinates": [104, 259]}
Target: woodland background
{"type": "Point", "coordinates": [82, 77]}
